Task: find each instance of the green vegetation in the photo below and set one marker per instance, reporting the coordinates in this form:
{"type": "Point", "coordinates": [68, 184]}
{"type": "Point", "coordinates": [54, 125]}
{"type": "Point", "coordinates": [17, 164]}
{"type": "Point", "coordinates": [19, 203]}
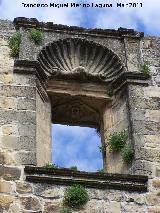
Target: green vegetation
{"type": "Point", "coordinates": [14, 44]}
{"type": "Point", "coordinates": [117, 141]}
{"type": "Point", "coordinates": [145, 68]}
{"type": "Point", "coordinates": [75, 197]}
{"type": "Point", "coordinates": [50, 165]}
{"type": "Point", "coordinates": [36, 35]}
{"type": "Point", "coordinates": [127, 154]}
{"type": "Point", "coordinates": [110, 93]}
{"type": "Point", "coordinates": [102, 149]}
{"type": "Point", "coordinates": [100, 171]}
{"type": "Point", "coordinates": [74, 168]}
{"type": "Point", "coordinates": [66, 210]}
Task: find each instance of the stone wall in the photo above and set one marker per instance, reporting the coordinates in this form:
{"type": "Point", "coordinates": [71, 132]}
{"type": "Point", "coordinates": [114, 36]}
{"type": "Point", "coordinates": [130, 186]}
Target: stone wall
{"type": "Point", "coordinates": [25, 140]}
{"type": "Point", "coordinates": [17, 108]}
{"type": "Point", "coordinates": [145, 113]}
{"type": "Point", "coordinates": [49, 198]}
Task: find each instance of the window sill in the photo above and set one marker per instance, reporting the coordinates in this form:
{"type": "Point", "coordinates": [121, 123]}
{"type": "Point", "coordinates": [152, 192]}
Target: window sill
{"type": "Point", "coordinates": [97, 180]}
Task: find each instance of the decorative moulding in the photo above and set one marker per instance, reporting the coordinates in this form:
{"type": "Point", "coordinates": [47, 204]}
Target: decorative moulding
{"type": "Point", "coordinates": [64, 176]}
{"type": "Point", "coordinates": [80, 58]}
{"type": "Point", "coordinates": [51, 27]}
{"type": "Point", "coordinates": [119, 81]}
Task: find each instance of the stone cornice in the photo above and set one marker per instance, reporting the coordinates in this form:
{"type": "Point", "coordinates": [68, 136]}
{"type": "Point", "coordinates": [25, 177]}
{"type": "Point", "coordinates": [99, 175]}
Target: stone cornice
{"type": "Point", "coordinates": [32, 67]}
{"type": "Point", "coordinates": [28, 67]}
{"type": "Point", "coordinates": [51, 27]}
{"type": "Point", "coordinates": [136, 78]}
{"type": "Point", "coordinates": [92, 180]}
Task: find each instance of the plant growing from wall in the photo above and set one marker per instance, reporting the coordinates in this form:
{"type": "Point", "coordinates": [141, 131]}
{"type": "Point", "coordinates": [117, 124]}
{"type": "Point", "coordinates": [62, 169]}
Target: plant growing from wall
{"type": "Point", "coordinates": [117, 141]}
{"type": "Point", "coordinates": [75, 197]}
{"type": "Point", "coordinates": [14, 44]}
{"type": "Point", "coordinates": [74, 168]}
{"type": "Point", "coordinates": [100, 171]}
{"type": "Point", "coordinates": [145, 68]}
{"type": "Point", "coordinates": [36, 35]}
{"type": "Point", "coordinates": [66, 210]}
{"type": "Point", "coordinates": [50, 165]}
{"type": "Point", "coordinates": [110, 92]}
{"type": "Point", "coordinates": [127, 154]}
{"type": "Point", "coordinates": [102, 149]}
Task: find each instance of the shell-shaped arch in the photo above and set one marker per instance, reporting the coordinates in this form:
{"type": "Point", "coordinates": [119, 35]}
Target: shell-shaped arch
{"type": "Point", "coordinates": [74, 55]}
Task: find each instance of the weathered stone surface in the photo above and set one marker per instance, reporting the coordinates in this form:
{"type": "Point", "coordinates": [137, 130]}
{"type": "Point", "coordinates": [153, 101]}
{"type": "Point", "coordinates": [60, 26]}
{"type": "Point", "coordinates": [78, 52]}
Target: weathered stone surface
{"type": "Point", "coordinates": [153, 115]}
{"type": "Point", "coordinates": [146, 128]}
{"type": "Point", "coordinates": [153, 199]}
{"type": "Point", "coordinates": [155, 209]}
{"type": "Point", "coordinates": [136, 91]}
{"type": "Point", "coordinates": [8, 103]}
{"type": "Point", "coordinates": [54, 206]}
{"type": "Point", "coordinates": [149, 154]}
{"type": "Point", "coordinates": [7, 78]}
{"type": "Point", "coordinates": [17, 91]}
{"type": "Point", "coordinates": [152, 91]}
{"type": "Point", "coordinates": [26, 143]}
{"type": "Point", "coordinates": [5, 202]}
{"type": "Point", "coordinates": [134, 198]}
{"type": "Point", "coordinates": [24, 80]}
{"type": "Point", "coordinates": [152, 141]}
{"type": "Point", "coordinates": [156, 183]}
{"type": "Point", "coordinates": [27, 130]}
{"type": "Point", "coordinates": [145, 103]}
{"type": "Point", "coordinates": [43, 131]}
{"type": "Point", "coordinates": [8, 116]}
{"type": "Point", "coordinates": [102, 195]}
{"type": "Point", "coordinates": [23, 211]}
{"type": "Point", "coordinates": [98, 206]}
{"type": "Point", "coordinates": [26, 104]}
{"type": "Point", "coordinates": [15, 208]}
{"type": "Point", "coordinates": [25, 157]}
{"type": "Point", "coordinates": [10, 129]}
{"type": "Point", "coordinates": [133, 208]}
{"type": "Point", "coordinates": [6, 157]}
{"type": "Point", "coordinates": [23, 187]}
{"type": "Point", "coordinates": [30, 203]}
{"type": "Point", "coordinates": [157, 171]}
{"type": "Point", "coordinates": [6, 186]}
{"type": "Point", "coordinates": [49, 191]}
{"type": "Point", "coordinates": [142, 167]}
{"type": "Point", "coordinates": [10, 173]}
{"type": "Point", "coordinates": [138, 114]}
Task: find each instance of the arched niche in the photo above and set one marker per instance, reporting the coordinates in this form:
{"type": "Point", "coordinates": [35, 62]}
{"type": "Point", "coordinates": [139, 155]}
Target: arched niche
{"type": "Point", "coordinates": [79, 59]}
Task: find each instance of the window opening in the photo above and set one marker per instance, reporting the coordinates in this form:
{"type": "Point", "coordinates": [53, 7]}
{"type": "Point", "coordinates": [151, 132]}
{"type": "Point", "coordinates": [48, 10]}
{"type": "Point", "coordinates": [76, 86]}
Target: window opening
{"type": "Point", "coordinates": [75, 146]}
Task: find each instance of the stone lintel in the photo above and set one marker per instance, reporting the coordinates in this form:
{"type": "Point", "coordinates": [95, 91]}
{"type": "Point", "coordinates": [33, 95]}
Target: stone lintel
{"type": "Point", "coordinates": [74, 88]}
{"type": "Point", "coordinates": [51, 27]}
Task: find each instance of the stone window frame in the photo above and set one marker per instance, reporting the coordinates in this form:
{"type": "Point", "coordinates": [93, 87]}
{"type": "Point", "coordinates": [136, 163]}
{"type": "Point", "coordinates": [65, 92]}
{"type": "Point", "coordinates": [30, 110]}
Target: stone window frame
{"type": "Point", "coordinates": [118, 83]}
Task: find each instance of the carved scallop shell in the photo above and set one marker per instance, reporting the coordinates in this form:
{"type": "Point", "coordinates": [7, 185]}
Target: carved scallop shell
{"type": "Point", "coordinates": [71, 56]}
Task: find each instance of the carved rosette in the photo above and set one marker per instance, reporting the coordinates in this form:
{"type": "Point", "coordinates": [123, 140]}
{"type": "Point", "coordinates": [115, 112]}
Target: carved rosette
{"type": "Point", "coordinates": [79, 59]}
